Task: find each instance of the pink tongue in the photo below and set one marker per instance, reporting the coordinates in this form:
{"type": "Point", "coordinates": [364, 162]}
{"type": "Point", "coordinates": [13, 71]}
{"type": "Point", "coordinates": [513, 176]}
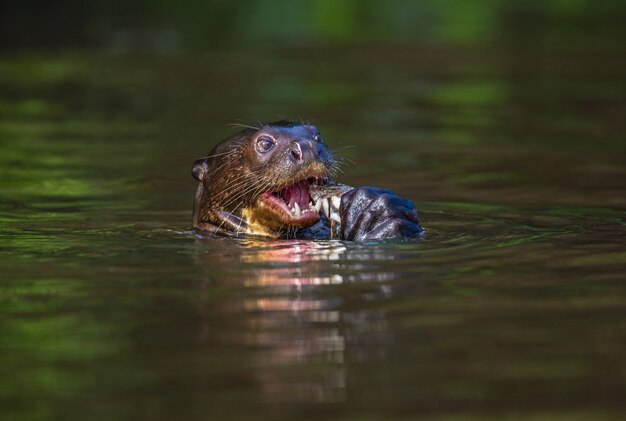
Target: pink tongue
{"type": "Point", "coordinates": [297, 193]}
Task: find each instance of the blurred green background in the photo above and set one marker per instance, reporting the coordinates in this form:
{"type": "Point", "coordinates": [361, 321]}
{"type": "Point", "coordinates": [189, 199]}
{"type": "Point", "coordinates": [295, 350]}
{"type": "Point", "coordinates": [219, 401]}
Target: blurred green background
{"type": "Point", "coordinates": [165, 26]}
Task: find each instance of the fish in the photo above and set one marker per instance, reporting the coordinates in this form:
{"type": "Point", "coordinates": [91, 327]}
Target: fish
{"type": "Point", "coordinates": [327, 200]}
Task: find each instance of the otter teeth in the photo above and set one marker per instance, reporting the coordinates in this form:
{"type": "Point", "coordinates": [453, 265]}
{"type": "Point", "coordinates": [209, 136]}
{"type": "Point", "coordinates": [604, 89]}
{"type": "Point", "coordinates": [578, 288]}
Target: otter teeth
{"type": "Point", "coordinates": [296, 209]}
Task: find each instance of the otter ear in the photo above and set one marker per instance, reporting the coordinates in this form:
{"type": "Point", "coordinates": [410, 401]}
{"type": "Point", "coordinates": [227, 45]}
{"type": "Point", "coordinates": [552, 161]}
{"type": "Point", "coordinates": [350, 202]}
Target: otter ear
{"type": "Point", "coordinates": [199, 169]}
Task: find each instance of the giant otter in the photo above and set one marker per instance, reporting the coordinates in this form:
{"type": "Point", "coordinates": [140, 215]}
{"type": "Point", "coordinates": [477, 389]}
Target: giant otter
{"type": "Point", "coordinates": [257, 182]}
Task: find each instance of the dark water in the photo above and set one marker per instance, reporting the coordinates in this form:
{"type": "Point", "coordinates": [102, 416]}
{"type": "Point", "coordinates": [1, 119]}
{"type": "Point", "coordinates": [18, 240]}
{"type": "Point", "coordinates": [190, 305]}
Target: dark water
{"type": "Point", "coordinates": [513, 305]}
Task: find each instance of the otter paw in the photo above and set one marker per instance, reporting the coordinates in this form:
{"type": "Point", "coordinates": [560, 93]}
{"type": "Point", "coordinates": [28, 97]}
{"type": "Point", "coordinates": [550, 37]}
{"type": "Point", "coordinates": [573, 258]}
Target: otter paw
{"type": "Point", "coordinates": [369, 213]}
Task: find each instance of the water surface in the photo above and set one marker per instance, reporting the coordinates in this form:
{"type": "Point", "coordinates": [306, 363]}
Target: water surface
{"type": "Point", "coordinates": [512, 305]}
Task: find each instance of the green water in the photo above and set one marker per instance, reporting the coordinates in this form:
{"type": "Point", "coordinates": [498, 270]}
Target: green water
{"type": "Point", "coordinates": [511, 306]}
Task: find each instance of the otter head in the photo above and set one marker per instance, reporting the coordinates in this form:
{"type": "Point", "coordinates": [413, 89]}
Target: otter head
{"type": "Point", "coordinates": [257, 181]}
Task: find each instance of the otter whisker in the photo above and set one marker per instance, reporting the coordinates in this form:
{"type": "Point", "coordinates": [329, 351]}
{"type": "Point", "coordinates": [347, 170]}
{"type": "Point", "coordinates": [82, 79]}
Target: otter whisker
{"type": "Point", "coordinates": [225, 219]}
{"type": "Point", "coordinates": [261, 125]}
{"type": "Point", "coordinates": [240, 219]}
{"type": "Point", "coordinates": [236, 197]}
{"type": "Point", "coordinates": [255, 185]}
{"type": "Point", "coordinates": [218, 168]}
{"type": "Point", "coordinates": [336, 167]}
{"type": "Point", "coordinates": [236, 181]}
{"type": "Point", "coordinates": [244, 192]}
{"type": "Point", "coordinates": [217, 154]}
{"type": "Point", "coordinates": [235, 184]}
{"type": "Point", "coordinates": [342, 159]}
{"type": "Point", "coordinates": [243, 126]}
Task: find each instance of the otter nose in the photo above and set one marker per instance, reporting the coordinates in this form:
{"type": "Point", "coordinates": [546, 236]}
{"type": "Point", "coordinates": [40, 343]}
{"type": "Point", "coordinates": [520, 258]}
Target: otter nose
{"type": "Point", "coordinates": [296, 152]}
{"type": "Point", "coordinates": [303, 150]}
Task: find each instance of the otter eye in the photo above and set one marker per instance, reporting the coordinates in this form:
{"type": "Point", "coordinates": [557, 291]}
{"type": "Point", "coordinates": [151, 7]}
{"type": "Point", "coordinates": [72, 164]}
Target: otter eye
{"type": "Point", "coordinates": [318, 138]}
{"type": "Point", "coordinates": [264, 144]}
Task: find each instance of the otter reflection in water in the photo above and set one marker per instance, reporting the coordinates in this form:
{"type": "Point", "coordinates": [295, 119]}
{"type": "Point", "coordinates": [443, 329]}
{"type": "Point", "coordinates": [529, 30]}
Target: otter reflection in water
{"type": "Point", "coordinates": [258, 182]}
{"type": "Point", "coordinates": [302, 312]}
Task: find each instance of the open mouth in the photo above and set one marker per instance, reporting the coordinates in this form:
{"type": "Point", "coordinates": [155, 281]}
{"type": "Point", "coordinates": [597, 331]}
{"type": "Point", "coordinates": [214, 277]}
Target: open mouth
{"type": "Point", "coordinates": [292, 205]}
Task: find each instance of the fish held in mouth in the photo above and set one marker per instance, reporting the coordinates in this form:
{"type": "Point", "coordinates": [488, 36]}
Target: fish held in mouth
{"type": "Point", "coordinates": [300, 204]}
{"type": "Point", "coordinates": [327, 199]}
